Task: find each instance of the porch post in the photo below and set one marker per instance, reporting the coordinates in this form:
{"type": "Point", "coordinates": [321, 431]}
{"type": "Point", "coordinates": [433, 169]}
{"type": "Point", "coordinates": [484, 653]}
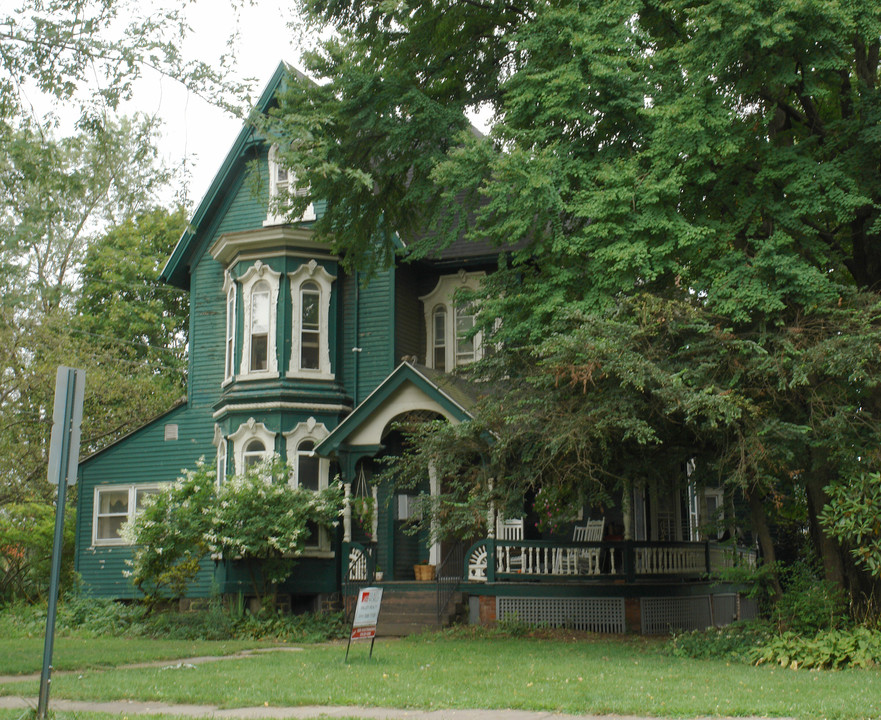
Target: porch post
{"type": "Point", "coordinates": [627, 509]}
{"type": "Point", "coordinates": [434, 557]}
{"type": "Point", "coordinates": [347, 512]}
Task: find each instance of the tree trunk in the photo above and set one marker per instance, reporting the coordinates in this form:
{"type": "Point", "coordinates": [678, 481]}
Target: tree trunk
{"type": "Point", "coordinates": [763, 533]}
{"type": "Point", "coordinates": [827, 549]}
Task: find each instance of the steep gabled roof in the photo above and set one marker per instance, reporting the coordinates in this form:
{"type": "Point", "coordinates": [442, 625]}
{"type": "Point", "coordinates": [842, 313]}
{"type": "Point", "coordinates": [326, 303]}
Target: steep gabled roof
{"type": "Point", "coordinates": [452, 395]}
{"type": "Point", "coordinates": [176, 270]}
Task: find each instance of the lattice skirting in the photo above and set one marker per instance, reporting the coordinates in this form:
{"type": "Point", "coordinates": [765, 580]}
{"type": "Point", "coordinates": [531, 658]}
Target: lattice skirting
{"type": "Point", "coordinates": [661, 615]}
{"type": "Point", "coordinates": [602, 615]}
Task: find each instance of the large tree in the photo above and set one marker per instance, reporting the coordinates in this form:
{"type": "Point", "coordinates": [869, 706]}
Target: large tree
{"type": "Point", "coordinates": [697, 190]}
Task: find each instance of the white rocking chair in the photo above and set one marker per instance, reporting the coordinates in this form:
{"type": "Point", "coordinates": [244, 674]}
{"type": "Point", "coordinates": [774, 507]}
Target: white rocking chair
{"type": "Point", "coordinates": [574, 561]}
{"type": "Point", "coordinates": [510, 559]}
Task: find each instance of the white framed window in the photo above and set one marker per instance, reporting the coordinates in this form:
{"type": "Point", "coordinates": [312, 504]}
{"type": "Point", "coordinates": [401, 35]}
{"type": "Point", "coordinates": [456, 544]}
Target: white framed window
{"type": "Point", "coordinates": [310, 340]}
{"type": "Point", "coordinates": [282, 182]}
{"type": "Point", "coordinates": [115, 505]}
{"type": "Point", "coordinates": [309, 470]}
{"type": "Point", "coordinates": [222, 446]}
{"type": "Point", "coordinates": [259, 347]}
{"type": "Point", "coordinates": [448, 324]}
{"type": "Point", "coordinates": [252, 443]}
{"type": "Point", "coordinates": [229, 367]}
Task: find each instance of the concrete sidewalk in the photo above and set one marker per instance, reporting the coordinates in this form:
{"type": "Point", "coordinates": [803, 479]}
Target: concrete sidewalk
{"type": "Point", "coordinates": [126, 708]}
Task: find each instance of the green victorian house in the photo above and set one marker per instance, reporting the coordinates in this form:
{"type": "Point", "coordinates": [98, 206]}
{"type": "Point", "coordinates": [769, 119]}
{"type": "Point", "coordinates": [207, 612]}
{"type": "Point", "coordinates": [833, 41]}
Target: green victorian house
{"type": "Point", "coordinates": [291, 355]}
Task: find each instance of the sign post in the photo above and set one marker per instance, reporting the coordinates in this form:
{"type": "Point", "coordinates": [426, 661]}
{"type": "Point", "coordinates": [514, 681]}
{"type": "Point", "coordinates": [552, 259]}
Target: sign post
{"type": "Point", "coordinates": [366, 617]}
{"type": "Point", "coordinates": [64, 450]}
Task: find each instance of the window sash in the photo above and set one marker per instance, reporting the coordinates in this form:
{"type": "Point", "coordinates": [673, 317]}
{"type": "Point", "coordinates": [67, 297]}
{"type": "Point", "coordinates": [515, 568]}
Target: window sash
{"type": "Point", "coordinates": [108, 519]}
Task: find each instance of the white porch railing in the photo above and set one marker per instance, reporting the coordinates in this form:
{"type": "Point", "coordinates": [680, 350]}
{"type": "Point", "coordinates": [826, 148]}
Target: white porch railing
{"type": "Point", "coordinates": [545, 559]}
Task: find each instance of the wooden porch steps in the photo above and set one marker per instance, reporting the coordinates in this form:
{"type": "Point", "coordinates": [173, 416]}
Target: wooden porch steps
{"type": "Point", "coordinates": [405, 612]}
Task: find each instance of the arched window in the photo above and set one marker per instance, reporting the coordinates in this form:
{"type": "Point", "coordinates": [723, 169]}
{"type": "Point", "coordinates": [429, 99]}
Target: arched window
{"type": "Point", "coordinates": [252, 443]}
{"type": "Point", "coordinates": [259, 327]}
{"type": "Point", "coordinates": [229, 368]}
{"type": "Point", "coordinates": [465, 343]}
{"type": "Point", "coordinates": [260, 296]}
{"type": "Point", "coordinates": [310, 471]}
{"type": "Point", "coordinates": [448, 325]}
{"type": "Point", "coordinates": [310, 326]}
{"type": "Point", "coordinates": [253, 454]}
{"type": "Point", "coordinates": [310, 297]}
{"type": "Point", "coordinates": [439, 337]}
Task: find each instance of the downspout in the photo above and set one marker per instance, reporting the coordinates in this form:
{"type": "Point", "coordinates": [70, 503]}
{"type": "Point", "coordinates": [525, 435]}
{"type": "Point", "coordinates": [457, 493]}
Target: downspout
{"type": "Point", "coordinates": [356, 349]}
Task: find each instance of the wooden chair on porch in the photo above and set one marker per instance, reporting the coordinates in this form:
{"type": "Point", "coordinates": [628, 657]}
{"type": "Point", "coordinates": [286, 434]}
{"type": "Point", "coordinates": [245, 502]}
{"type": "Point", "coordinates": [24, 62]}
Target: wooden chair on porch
{"type": "Point", "coordinates": [582, 560]}
{"type": "Point", "coordinates": [510, 558]}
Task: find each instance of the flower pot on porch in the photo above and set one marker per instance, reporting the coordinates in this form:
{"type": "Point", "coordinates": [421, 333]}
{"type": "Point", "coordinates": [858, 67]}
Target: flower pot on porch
{"type": "Point", "coordinates": [424, 572]}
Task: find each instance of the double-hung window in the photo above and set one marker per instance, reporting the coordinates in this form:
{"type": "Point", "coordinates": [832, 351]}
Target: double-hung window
{"type": "Point", "coordinates": [260, 297]}
{"type": "Point", "coordinates": [310, 471]}
{"type": "Point", "coordinates": [114, 506]}
{"type": "Point", "coordinates": [229, 369]}
{"type": "Point", "coordinates": [450, 338]}
{"type": "Point", "coordinates": [283, 186]}
{"type": "Point", "coordinates": [310, 335]}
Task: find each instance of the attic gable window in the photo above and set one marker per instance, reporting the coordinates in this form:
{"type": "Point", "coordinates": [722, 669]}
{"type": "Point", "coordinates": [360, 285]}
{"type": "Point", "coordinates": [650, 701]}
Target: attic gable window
{"type": "Point", "coordinates": [310, 340]}
{"type": "Point", "coordinates": [282, 182]}
{"type": "Point", "coordinates": [449, 343]}
{"type": "Point", "coordinates": [260, 297]}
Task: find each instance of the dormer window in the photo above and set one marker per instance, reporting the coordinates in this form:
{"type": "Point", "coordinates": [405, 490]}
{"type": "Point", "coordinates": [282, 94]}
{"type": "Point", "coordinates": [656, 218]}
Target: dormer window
{"type": "Point", "coordinates": [283, 186]}
{"type": "Point", "coordinates": [310, 341]}
{"type": "Point", "coordinates": [449, 325]}
{"type": "Point", "coordinates": [260, 296]}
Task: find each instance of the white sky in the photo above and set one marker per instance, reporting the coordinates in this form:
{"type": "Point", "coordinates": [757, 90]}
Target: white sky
{"type": "Point", "coordinates": [196, 134]}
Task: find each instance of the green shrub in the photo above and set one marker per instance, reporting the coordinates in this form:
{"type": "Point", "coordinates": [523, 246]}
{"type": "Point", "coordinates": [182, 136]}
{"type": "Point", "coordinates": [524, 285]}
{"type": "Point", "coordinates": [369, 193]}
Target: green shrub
{"type": "Point", "coordinates": [854, 647]}
{"type": "Point", "coordinates": [735, 642]}
{"type": "Point", "coordinates": [809, 602]}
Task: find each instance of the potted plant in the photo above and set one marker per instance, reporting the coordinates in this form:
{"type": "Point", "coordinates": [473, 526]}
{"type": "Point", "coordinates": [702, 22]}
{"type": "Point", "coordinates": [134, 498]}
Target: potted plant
{"type": "Point", "coordinates": [423, 571]}
{"type": "Point", "coordinates": [362, 513]}
{"type": "Point", "coordinates": [378, 575]}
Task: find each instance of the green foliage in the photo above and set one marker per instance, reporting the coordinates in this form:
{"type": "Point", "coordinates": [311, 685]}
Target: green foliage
{"type": "Point", "coordinates": [27, 534]}
{"type": "Point", "coordinates": [170, 533]}
{"type": "Point", "coordinates": [257, 518]}
{"type": "Point", "coordinates": [853, 517]}
{"type": "Point", "coordinates": [853, 647]}
{"type": "Point", "coordinates": [736, 642]}
{"type": "Point", "coordinates": [809, 603]}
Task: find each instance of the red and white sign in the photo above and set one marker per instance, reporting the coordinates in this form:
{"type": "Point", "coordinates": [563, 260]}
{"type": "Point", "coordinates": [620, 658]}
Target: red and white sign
{"type": "Point", "coordinates": [366, 614]}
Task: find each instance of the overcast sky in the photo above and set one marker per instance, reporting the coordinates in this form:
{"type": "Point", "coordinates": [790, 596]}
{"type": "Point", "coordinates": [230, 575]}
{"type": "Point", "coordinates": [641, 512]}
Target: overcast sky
{"type": "Point", "coordinates": [197, 135]}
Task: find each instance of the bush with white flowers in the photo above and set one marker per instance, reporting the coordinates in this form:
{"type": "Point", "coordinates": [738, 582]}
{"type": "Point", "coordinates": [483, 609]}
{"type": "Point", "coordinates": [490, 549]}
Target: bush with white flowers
{"type": "Point", "coordinates": [257, 519]}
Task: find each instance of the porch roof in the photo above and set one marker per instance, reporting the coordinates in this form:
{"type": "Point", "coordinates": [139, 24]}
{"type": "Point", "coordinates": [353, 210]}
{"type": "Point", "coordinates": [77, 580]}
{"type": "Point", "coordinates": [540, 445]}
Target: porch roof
{"type": "Point", "coordinates": [409, 387]}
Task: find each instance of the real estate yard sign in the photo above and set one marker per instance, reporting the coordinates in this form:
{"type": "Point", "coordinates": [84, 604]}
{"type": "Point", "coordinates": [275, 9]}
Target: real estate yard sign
{"type": "Point", "coordinates": [366, 617]}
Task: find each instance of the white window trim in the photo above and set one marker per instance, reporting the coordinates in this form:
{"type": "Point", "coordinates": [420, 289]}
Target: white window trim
{"type": "Point", "coordinates": [276, 188]}
{"type": "Point", "coordinates": [131, 489]}
{"type": "Point", "coordinates": [443, 295]}
{"type": "Point", "coordinates": [257, 272]}
{"type": "Point", "coordinates": [316, 432]}
{"type": "Point", "coordinates": [251, 430]}
{"type": "Point", "coordinates": [311, 272]}
{"type": "Point", "coordinates": [222, 446]}
{"type": "Point", "coordinates": [229, 347]}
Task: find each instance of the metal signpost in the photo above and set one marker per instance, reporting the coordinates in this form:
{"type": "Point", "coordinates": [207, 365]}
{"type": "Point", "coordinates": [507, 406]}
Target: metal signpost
{"type": "Point", "coordinates": [64, 450]}
{"type": "Point", "coordinates": [366, 617]}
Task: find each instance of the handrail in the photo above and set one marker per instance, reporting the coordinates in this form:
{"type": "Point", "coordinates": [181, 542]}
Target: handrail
{"type": "Point", "coordinates": [448, 575]}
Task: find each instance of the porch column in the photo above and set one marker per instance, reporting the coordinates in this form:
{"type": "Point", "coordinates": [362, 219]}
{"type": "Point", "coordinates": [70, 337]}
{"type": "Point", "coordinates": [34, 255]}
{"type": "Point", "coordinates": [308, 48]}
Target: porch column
{"type": "Point", "coordinates": [434, 557]}
{"type": "Point", "coordinates": [347, 512]}
{"type": "Point", "coordinates": [627, 509]}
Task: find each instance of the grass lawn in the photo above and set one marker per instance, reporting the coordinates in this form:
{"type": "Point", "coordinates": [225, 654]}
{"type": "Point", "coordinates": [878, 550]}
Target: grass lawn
{"type": "Point", "coordinates": [588, 675]}
{"type": "Point", "coordinates": [25, 655]}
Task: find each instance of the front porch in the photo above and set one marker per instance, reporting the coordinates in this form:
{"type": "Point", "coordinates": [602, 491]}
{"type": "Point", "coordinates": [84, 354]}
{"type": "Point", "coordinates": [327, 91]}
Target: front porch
{"type": "Point", "coordinates": [606, 587]}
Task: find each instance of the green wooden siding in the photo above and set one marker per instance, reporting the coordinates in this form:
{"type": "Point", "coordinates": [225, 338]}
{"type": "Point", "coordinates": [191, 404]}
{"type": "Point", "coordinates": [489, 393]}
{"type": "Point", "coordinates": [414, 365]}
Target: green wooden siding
{"type": "Point", "coordinates": [409, 315]}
